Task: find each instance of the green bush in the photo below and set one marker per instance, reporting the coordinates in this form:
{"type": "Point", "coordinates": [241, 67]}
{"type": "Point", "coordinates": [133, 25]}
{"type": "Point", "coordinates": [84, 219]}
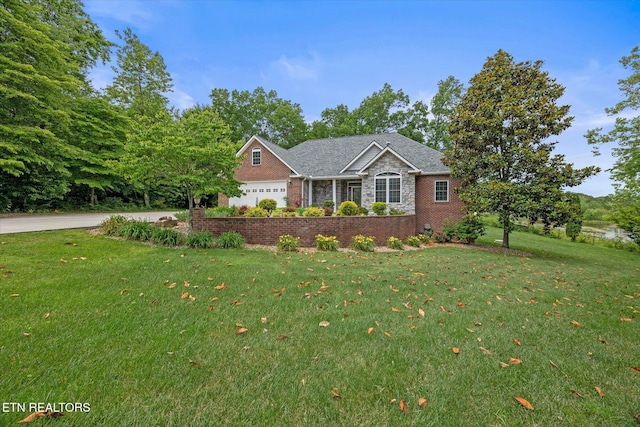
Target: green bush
{"type": "Point", "coordinates": [313, 211]}
{"type": "Point", "coordinates": [221, 212]}
{"type": "Point", "coordinates": [363, 211]}
{"type": "Point", "coordinates": [288, 243]}
{"type": "Point", "coordinates": [256, 213]}
{"type": "Point", "coordinates": [414, 241]}
{"type": "Point", "coordinates": [424, 238]}
{"type": "Point", "coordinates": [166, 236]}
{"type": "Point", "coordinates": [231, 239]}
{"type": "Point", "coordinates": [182, 216]}
{"type": "Point", "coordinates": [135, 230]}
{"type": "Point", "coordinates": [363, 243]}
{"type": "Point", "coordinates": [329, 204]}
{"type": "Point", "coordinates": [201, 240]}
{"type": "Point", "coordinates": [327, 243]}
{"type": "Point", "coordinates": [110, 225]}
{"type": "Point", "coordinates": [469, 228]}
{"type": "Point", "coordinates": [379, 208]}
{"type": "Point", "coordinates": [268, 204]}
{"type": "Point", "coordinates": [289, 214]}
{"type": "Point", "coordinates": [347, 208]}
{"type": "Point", "coordinates": [395, 243]}
{"type": "Point", "coordinates": [394, 211]}
{"type": "Point", "coordinates": [573, 229]}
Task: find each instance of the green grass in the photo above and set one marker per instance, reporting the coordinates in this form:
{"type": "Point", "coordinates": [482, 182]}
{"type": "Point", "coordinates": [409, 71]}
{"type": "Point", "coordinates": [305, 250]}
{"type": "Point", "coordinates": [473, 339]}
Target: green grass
{"type": "Point", "coordinates": [119, 336]}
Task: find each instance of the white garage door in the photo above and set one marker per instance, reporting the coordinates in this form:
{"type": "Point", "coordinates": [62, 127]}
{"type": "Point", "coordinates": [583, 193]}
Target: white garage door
{"type": "Point", "coordinates": [256, 191]}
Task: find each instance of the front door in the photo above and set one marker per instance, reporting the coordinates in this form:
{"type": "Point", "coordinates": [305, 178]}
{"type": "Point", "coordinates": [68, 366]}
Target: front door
{"type": "Point", "coordinates": [354, 192]}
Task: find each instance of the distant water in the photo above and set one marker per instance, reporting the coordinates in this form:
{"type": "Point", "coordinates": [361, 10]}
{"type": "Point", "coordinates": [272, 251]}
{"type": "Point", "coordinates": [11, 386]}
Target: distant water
{"type": "Point", "coordinates": [611, 232]}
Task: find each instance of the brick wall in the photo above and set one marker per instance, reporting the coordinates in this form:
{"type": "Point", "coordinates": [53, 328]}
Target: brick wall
{"type": "Point", "coordinates": [428, 211]}
{"type": "Point", "coordinates": [265, 231]}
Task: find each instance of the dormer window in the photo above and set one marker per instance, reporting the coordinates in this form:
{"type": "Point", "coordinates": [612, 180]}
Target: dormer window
{"type": "Point", "coordinates": [255, 157]}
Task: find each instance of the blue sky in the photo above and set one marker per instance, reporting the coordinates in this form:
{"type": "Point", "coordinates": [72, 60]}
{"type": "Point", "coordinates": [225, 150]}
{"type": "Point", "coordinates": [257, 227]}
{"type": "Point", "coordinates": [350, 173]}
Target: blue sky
{"type": "Point", "coordinates": [323, 53]}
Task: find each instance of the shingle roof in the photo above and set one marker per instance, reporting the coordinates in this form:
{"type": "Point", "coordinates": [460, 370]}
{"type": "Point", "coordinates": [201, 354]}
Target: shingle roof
{"type": "Point", "coordinates": [329, 156]}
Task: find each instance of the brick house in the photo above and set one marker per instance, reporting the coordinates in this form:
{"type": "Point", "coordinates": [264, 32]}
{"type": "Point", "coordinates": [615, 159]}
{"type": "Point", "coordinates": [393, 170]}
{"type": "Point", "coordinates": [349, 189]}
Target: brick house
{"type": "Point", "coordinates": [390, 168]}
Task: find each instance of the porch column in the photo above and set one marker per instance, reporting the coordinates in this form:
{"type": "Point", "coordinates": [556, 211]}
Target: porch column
{"type": "Point", "coordinates": [335, 204]}
{"type": "Point", "coordinates": [310, 192]}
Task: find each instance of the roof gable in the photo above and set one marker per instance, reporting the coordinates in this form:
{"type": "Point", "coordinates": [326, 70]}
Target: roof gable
{"type": "Point", "coordinates": [386, 150]}
{"type": "Point", "coordinates": [280, 153]}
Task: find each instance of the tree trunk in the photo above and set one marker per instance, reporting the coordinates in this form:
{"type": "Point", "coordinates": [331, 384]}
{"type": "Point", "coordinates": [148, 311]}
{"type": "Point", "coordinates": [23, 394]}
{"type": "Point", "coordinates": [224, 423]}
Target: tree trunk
{"type": "Point", "coordinates": [92, 196]}
{"type": "Point", "coordinates": [505, 236]}
{"type": "Point", "coordinates": [145, 195]}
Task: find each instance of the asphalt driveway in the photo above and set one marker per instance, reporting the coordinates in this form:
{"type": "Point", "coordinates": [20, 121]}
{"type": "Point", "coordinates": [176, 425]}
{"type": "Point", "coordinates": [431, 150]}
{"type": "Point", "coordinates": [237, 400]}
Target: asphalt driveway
{"type": "Point", "coordinates": [29, 223]}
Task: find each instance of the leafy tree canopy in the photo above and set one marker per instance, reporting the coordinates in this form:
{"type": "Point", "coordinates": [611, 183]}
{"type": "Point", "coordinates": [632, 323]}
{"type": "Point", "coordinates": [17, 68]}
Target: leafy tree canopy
{"type": "Point", "coordinates": [501, 151]}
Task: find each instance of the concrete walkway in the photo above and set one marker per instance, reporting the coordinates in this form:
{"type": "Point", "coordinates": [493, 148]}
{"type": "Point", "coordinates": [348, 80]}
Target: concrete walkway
{"type": "Point", "coordinates": [29, 223]}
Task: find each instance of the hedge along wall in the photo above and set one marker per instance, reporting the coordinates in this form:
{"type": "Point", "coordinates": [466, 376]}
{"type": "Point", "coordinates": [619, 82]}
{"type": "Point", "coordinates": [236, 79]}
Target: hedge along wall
{"type": "Point", "coordinates": [266, 231]}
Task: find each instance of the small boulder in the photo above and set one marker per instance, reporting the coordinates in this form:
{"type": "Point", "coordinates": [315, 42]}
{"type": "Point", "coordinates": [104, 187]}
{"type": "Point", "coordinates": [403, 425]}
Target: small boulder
{"type": "Point", "coordinates": [166, 221]}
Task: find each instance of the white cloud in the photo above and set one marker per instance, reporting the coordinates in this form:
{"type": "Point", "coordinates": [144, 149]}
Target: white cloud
{"type": "Point", "coordinates": [299, 68]}
{"type": "Point", "coordinates": [135, 13]}
{"type": "Point", "coordinates": [180, 99]}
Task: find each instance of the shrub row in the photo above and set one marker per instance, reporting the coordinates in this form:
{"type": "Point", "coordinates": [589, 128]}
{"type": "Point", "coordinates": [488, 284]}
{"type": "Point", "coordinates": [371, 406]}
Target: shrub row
{"type": "Point", "coordinates": [288, 242]}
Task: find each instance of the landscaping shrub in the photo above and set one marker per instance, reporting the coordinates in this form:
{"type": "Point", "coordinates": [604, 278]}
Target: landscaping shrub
{"type": "Point", "coordinates": [363, 211]}
{"type": "Point", "coordinates": [243, 209]}
{"type": "Point", "coordinates": [328, 211]}
{"type": "Point", "coordinates": [166, 236]}
{"type": "Point", "coordinates": [448, 231]}
{"type": "Point", "coordinates": [221, 212]}
{"type": "Point", "coordinates": [290, 209]}
{"type": "Point", "coordinates": [394, 211]}
{"type": "Point", "coordinates": [289, 214]}
{"type": "Point", "coordinates": [573, 229]}
{"type": "Point", "coordinates": [348, 208]}
{"type": "Point", "coordinates": [110, 225]}
{"type": "Point", "coordinates": [256, 213]}
{"type": "Point", "coordinates": [268, 205]}
{"type": "Point", "coordinates": [363, 243]}
{"type": "Point", "coordinates": [379, 208]}
{"type": "Point", "coordinates": [313, 211]}
{"type": "Point", "coordinates": [231, 239]}
{"type": "Point", "coordinates": [469, 228]}
{"type": "Point", "coordinates": [182, 216]}
{"type": "Point", "coordinates": [135, 230]}
{"type": "Point", "coordinates": [395, 243]}
{"type": "Point", "coordinates": [413, 241]}
{"type": "Point", "coordinates": [288, 243]}
{"type": "Point", "coordinates": [425, 238]}
{"type": "Point", "coordinates": [329, 204]}
{"type": "Point", "coordinates": [201, 240]}
{"type": "Point", "coordinates": [327, 243]}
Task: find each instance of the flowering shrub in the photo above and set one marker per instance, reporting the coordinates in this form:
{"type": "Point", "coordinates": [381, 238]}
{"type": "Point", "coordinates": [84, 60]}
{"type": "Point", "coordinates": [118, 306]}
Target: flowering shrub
{"type": "Point", "coordinates": [288, 243]}
{"type": "Point", "coordinates": [395, 243]}
{"type": "Point", "coordinates": [363, 243]}
{"type": "Point", "coordinates": [327, 243]}
{"type": "Point", "coordinates": [256, 213]}
{"type": "Point", "coordinates": [413, 241]}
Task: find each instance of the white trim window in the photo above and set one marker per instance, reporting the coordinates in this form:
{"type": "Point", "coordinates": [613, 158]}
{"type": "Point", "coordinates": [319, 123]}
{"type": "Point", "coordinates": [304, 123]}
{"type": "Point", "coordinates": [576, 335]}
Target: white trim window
{"type": "Point", "coordinates": [441, 191]}
{"type": "Point", "coordinates": [256, 156]}
{"type": "Point", "coordinates": [388, 187]}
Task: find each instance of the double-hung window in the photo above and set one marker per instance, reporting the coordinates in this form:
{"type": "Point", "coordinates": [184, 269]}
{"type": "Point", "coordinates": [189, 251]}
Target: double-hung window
{"type": "Point", "coordinates": [388, 187]}
{"type": "Point", "coordinates": [442, 191]}
{"type": "Point", "coordinates": [255, 157]}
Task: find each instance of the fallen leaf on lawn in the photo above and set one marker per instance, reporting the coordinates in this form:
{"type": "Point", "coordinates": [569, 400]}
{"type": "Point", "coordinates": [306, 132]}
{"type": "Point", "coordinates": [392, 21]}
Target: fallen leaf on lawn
{"type": "Point", "coordinates": [124, 291]}
{"type": "Point", "coordinates": [14, 295]}
{"type": "Point", "coordinates": [394, 290]}
{"type": "Point", "coordinates": [422, 402]}
{"type": "Point", "coordinates": [403, 406]}
{"type": "Point", "coordinates": [603, 341]}
{"type": "Point", "coordinates": [514, 361]}
{"type": "Point", "coordinates": [397, 310]}
{"type": "Point", "coordinates": [171, 286]}
{"type": "Point", "coordinates": [575, 393]}
{"type": "Point", "coordinates": [470, 330]}
{"type": "Point", "coordinates": [524, 402]}
{"type": "Point", "coordinates": [44, 316]}
{"type": "Point", "coordinates": [184, 295]}
{"type": "Point", "coordinates": [574, 323]}
{"type": "Point", "coordinates": [599, 391]}
{"type": "Point", "coordinates": [421, 312]}
{"type": "Point", "coordinates": [335, 394]}
{"type": "Point", "coordinates": [192, 298]}
{"type": "Point", "coordinates": [210, 278]}
{"type": "Point", "coordinates": [239, 325]}
{"type": "Point", "coordinates": [323, 324]}
{"type": "Point", "coordinates": [624, 318]}
{"type": "Point", "coordinates": [484, 350]}
{"type": "Point", "coordinates": [185, 284]}
{"type": "Point", "coordinates": [194, 363]}
{"type": "Point", "coordinates": [236, 302]}
{"type": "Point", "coordinates": [553, 364]}
{"type": "Point", "coordinates": [635, 369]}
{"type": "Point", "coordinates": [62, 260]}
{"type": "Point", "coordinates": [455, 350]}
{"type": "Point", "coordinates": [34, 416]}
{"type": "Point", "coordinates": [215, 299]}
{"type": "Point", "coordinates": [210, 308]}
{"type": "Point", "coordinates": [26, 334]}
{"type": "Point", "coordinates": [281, 337]}
{"type": "Point", "coordinates": [387, 333]}
{"type": "Point", "coordinates": [504, 365]}
{"type": "Point", "coordinates": [263, 319]}
{"type": "Point", "coordinates": [370, 330]}
{"type": "Point", "coordinates": [221, 286]}
{"type": "Point", "coordinates": [241, 331]}
{"type": "Point", "coordinates": [517, 341]}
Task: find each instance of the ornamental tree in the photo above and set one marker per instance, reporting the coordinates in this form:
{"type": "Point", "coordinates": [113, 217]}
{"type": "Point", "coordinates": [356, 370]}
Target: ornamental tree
{"type": "Point", "coordinates": [500, 134]}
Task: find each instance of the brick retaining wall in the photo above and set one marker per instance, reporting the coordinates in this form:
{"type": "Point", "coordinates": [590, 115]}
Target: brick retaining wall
{"type": "Point", "coordinates": [266, 231]}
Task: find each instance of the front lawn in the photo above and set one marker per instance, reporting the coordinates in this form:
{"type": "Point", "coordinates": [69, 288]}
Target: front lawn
{"type": "Point", "coordinates": [151, 336]}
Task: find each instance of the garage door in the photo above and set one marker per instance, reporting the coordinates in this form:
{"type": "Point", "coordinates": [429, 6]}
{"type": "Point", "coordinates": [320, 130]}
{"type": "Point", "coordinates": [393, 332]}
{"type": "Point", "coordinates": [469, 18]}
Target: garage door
{"type": "Point", "coordinates": [256, 191]}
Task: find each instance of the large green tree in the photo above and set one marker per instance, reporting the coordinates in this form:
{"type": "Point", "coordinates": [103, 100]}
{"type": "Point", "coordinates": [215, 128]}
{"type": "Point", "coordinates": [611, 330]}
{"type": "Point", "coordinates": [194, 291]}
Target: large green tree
{"type": "Point", "coordinates": [626, 133]}
{"type": "Point", "coordinates": [45, 50]}
{"type": "Point", "coordinates": [443, 105]}
{"type": "Point", "coordinates": [260, 113]}
{"type": "Point", "coordinates": [500, 141]}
